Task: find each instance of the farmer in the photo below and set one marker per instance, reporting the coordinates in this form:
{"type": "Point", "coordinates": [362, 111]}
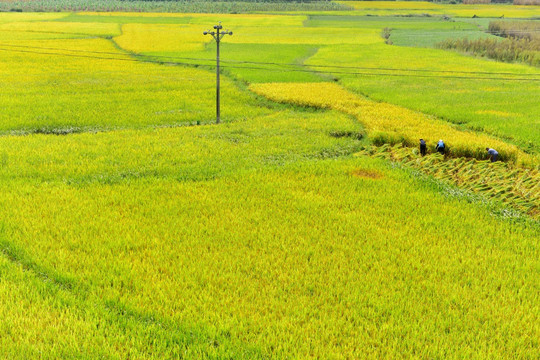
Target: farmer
{"type": "Point", "coordinates": [493, 154]}
{"type": "Point", "coordinates": [440, 147]}
{"type": "Point", "coordinates": [422, 147]}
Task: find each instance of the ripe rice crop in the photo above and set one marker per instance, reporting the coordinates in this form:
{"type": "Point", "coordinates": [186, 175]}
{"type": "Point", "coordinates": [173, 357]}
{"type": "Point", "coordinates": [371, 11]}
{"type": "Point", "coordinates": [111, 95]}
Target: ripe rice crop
{"type": "Point", "coordinates": [388, 123]}
{"type": "Point", "coordinates": [246, 239]}
{"type": "Point", "coordinates": [421, 8]}
{"type": "Point", "coordinates": [150, 38]}
{"type": "Point", "coordinates": [112, 89]}
{"type": "Point", "coordinates": [443, 91]}
{"type": "Point", "coordinates": [134, 227]}
{"type": "Point", "coordinates": [66, 28]}
{"type": "Point", "coordinates": [515, 186]}
{"type": "Point", "coordinates": [24, 17]}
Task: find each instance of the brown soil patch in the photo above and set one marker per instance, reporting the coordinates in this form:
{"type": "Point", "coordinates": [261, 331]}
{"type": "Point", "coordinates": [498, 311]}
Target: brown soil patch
{"type": "Point", "coordinates": [367, 174]}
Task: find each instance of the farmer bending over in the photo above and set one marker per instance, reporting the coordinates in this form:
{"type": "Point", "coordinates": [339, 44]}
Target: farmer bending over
{"type": "Point", "coordinates": [493, 153]}
{"type": "Point", "coordinates": [423, 147]}
{"type": "Point", "coordinates": [440, 147]}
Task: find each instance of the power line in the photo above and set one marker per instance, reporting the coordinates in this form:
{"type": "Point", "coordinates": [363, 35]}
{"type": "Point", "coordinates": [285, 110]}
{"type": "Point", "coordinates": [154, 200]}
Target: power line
{"type": "Point", "coordinates": [435, 31]}
{"type": "Point", "coordinates": [49, 32]}
{"type": "Point", "coordinates": [438, 31]}
{"type": "Point", "coordinates": [260, 62]}
{"type": "Point", "coordinates": [71, 55]}
{"type": "Point", "coordinates": [309, 27]}
{"type": "Point", "coordinates": [277, 70]}
{"type": "Point", "coordinates": [411, 35]}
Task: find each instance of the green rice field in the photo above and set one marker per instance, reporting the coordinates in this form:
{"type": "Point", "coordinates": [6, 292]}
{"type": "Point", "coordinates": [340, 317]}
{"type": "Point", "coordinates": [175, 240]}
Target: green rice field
{"type": "Point", "coordinates": [132, 226]}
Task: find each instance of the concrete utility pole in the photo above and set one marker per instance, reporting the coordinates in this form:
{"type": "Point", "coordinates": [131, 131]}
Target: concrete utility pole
{"type": "Point", "coordinates": [217, 35]}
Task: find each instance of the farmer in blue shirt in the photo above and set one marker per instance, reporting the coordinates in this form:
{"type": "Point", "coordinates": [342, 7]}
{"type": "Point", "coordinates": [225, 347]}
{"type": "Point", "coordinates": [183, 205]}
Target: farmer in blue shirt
{"type": "Point", "coordinates": [440, 147]}
{"type": "Point", "coordinates": [493, 153]}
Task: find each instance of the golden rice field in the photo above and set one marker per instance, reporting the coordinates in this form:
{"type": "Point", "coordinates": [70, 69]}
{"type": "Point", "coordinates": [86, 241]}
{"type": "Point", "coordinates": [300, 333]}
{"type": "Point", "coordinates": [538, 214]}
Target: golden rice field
{"type": "Point", "coordinates": [304, 225]}
{"type": "Point", "coordinates": [514, 185]}
{"type": "Point", "coordinates": [389, 123]}
{"type": "Point", "coordinates": [424, 7]}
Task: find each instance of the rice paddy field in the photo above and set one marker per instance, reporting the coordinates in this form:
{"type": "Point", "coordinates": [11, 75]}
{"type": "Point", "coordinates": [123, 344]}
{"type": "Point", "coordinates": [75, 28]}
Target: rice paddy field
{"type": "Point", "coordinates": [305, 224]}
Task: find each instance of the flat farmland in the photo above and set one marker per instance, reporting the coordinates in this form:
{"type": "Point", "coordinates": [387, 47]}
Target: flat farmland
{"type": "Point", "coordinates": [305, 224]}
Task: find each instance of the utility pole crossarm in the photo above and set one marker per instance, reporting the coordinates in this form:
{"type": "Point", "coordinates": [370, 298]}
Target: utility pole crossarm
{"type": "Point", "coordinates": [217, 35]}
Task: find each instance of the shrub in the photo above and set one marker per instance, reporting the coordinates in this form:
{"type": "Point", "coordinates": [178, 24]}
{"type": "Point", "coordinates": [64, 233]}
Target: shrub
{"type": "Point", "coordinates": [506, 50]}
{"type": "Point", "coordinates": [470, 2]}
{"type": "Point", "coordinates": [526, 2]}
